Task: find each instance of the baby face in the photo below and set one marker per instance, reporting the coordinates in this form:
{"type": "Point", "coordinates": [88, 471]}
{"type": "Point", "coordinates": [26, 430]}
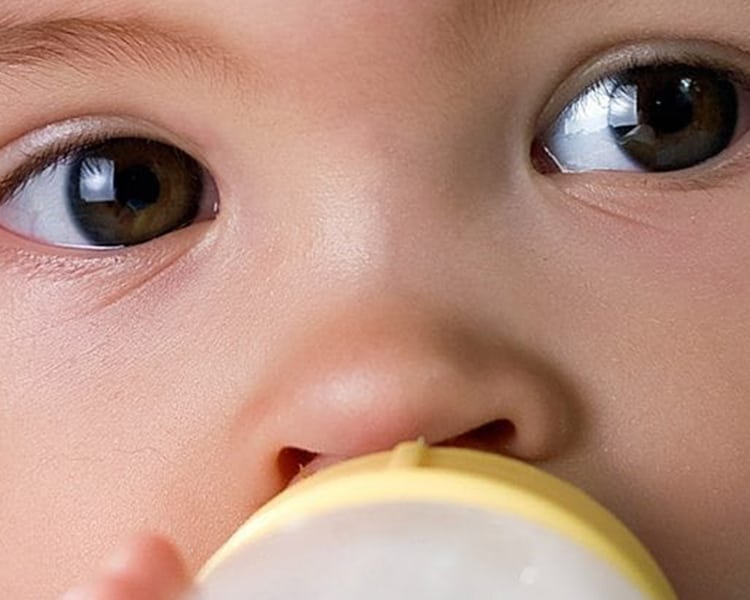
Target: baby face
{"type": "Point", "coordinates": [514, 226]}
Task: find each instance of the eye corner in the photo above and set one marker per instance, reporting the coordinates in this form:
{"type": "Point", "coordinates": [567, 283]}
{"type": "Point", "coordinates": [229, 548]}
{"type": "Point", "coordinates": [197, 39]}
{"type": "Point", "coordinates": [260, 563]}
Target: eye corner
{"type": "Point", "coordinates": [542, 160]}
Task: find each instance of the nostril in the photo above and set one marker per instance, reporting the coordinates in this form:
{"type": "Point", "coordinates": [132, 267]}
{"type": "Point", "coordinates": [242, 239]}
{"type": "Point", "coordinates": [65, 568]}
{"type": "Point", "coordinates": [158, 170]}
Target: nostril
{"type": "Point", "coordinates": [494, 436]}
{"type": "Point", "coordinates": [293, 461]}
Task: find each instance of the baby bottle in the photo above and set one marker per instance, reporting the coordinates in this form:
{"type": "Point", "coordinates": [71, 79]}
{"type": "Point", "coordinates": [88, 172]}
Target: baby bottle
{"type": "Point", "coordinates": [435, 523]}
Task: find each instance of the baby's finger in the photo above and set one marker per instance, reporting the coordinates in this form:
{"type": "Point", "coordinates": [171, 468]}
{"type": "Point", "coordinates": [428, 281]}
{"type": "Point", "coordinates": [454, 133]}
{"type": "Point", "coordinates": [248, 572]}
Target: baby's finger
{"type": "Point", "coordinates": [147, 568]}
{"type": "Point", "coordinates": [153, 562]}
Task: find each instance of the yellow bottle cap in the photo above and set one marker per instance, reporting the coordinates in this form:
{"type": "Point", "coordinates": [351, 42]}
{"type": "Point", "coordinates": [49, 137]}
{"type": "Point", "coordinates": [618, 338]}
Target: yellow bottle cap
{"type": "Point", "coordinates": [414, 473]}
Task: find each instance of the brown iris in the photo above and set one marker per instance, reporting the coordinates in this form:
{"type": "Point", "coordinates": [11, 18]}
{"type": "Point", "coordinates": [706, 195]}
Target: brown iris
{"type": "Point", "coordinates": [671, 117]}
{"type": "Point", "coordinates": [126, 191]}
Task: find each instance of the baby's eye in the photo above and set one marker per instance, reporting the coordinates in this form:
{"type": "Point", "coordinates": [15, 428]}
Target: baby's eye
{"type": "Point", "coordinates": [117, 192]}
{"type": "Point", "coordinates": [652, 118]}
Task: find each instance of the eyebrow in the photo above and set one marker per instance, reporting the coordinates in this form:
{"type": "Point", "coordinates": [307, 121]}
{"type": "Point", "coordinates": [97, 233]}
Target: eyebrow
{"type": "Point", "coordinates": [473, 24]}
{"type": "Point", "coordinates": [88, 44]}
{"type": "Point", "coordinates": [83, 44]}
{"type": "Point", "coordinates": [487, 14]}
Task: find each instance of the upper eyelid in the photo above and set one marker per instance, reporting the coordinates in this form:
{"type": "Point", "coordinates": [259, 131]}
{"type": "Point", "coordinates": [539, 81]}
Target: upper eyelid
{"type": "Point", "coordinates": [30, 153]}
{"type": "Point", "coordinates": [608, 83]}
{"type": "Point", "coordinates": [728, 60]}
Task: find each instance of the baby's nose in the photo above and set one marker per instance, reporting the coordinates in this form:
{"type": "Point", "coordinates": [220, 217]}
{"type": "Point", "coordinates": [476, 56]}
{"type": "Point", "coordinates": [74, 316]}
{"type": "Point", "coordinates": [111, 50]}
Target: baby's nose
{"type": "Point", "coordinates": [370, 377]}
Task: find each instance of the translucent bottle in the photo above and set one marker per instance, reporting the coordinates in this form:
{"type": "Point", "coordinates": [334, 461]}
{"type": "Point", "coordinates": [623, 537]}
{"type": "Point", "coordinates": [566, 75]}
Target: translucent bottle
{"type": "Point", "coordinates": [421, 523]}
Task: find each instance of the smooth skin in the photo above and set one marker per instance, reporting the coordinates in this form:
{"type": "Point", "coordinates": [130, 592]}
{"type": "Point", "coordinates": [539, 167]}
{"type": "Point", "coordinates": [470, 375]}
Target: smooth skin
{"type": "Point", "coordinates": [386, 264]}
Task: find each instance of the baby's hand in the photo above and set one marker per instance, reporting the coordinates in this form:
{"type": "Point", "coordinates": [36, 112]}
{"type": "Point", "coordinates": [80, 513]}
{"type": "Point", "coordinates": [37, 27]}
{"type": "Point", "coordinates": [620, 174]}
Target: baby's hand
{"type": "Point", "coordinates": [149, 568]}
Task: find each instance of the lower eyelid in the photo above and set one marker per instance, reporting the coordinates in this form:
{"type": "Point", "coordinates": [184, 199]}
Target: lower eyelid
{"type": "Point", "coordinates": [722, 172]}
{"type": "Point", "coordinates": [79, 283]}
{"type": "Point", "coordinates": [632, 209]}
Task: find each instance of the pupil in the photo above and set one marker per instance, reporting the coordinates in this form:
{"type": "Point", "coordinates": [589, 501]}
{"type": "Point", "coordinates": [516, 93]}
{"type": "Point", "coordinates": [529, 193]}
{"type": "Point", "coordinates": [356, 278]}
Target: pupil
{"type": "Point", "coordinates": [669, 108]}
{"type": "Point", "coordinates": [137, 187]}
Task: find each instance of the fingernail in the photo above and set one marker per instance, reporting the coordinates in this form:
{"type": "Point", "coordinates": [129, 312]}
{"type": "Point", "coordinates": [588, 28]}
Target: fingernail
{"type": "Point", "coordinates": [78, 593]}
{"type": "Point", "coordinates": [117, 561]}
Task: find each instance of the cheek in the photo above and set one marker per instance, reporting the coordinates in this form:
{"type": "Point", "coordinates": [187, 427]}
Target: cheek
{"type": "Point", "coordinates": [667, 448]}
{"type": "Point", "coordinates": [656, 337]}
{"type": "Point", "coordinates": [109, 429]}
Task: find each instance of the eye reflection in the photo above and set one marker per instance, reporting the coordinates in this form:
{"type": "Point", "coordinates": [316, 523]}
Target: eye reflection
{"type": "Point", "coordinates": [97, 179]}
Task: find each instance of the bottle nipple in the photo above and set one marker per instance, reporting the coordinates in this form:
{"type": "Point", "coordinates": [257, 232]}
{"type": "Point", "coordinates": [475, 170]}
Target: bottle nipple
{"type": "Point", "coordinates": [420, 523]}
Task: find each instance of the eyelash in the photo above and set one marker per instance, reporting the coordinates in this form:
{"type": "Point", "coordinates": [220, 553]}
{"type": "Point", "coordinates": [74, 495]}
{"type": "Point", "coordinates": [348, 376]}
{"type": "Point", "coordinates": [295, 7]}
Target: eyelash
{"type": "Point", "coordinates": [57, 153]}
{"type": "Point", "coordinates": [614, 77]}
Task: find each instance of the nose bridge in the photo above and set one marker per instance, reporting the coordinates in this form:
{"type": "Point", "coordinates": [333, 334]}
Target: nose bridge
{"type": "Point", "coordinates": [387, 163]}
{"type": "Point", "coordinates": [386, 204]}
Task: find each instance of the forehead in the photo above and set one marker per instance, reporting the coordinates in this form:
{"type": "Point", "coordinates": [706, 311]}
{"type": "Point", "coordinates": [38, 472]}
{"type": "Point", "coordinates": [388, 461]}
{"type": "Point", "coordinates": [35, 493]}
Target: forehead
{"type": "Point", "coordinates": [256, 16]}
{"type": "Point", "coordinates": [297, 21]}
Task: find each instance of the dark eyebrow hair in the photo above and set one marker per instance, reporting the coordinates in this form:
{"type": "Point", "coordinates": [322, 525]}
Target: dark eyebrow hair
{"type": "Point", "coordinates": [83, 44]}
{"type": "Point", "coordinates": [473, 23]}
